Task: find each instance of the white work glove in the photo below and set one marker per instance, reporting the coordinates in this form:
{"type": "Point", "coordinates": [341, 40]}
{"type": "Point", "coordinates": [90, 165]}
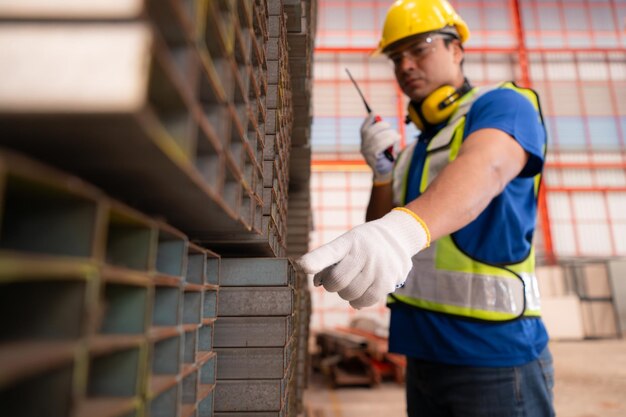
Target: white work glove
{"type": "Point", "coordinates": [371, 260]}
{"type": "Point", "coordinates": [375, 138]}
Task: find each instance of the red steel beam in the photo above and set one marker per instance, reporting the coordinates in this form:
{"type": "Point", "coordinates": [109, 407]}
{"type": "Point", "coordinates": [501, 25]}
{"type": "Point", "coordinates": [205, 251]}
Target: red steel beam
{"type": "Point", "coordinates": [525, 79]}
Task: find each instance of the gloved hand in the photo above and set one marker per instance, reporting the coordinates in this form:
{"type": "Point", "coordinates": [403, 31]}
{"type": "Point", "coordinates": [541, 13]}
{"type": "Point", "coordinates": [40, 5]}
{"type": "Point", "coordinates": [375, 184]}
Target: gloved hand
{"type": "Point", "coordinates": [371, 260]}
{"type": "Point", "coordinates": [375, 138]}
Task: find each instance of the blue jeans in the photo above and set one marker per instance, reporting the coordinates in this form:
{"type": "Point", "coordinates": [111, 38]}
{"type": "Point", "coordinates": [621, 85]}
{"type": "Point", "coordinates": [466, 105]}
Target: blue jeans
{"type": "Point", "coordinates": [439, 390]}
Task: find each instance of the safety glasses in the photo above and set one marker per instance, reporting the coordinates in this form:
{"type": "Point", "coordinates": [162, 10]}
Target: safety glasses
{"type": "Point", "coordinates": [418, 50]}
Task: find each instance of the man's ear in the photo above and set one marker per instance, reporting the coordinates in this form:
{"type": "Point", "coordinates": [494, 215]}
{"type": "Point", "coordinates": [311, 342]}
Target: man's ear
{"type": "Point", "coordinates": [459, 53]}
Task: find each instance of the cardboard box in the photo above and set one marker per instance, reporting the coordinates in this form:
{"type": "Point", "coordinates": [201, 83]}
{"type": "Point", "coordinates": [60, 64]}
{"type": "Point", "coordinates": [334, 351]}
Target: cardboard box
{"type": "Point", "coordinates": [551, 281]}
{"type": "Point", "coordinates": [595, 281]}
{"type": "Point", "coordinates": [562, 317]}
{"type": "Point", "coordinates": [599, 319]}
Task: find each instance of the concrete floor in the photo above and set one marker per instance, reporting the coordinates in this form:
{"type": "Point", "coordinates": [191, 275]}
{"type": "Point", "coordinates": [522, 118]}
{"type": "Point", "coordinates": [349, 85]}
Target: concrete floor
{"type": "Point", "coordinates": [590, 381]}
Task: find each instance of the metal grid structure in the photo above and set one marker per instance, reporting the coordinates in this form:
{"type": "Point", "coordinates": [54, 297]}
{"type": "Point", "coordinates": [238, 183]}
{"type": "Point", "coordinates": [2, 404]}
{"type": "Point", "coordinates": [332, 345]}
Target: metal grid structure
{"type": "Point", "coordinates": [572, 52]}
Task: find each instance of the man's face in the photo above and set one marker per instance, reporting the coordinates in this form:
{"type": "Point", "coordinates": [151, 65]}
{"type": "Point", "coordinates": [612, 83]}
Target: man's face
{"type": "Point", "coordinates": [425, 64]}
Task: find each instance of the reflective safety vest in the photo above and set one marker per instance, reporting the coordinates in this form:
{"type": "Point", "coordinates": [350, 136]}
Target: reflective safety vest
{"type": "Point", "coordinates": [444, 278]}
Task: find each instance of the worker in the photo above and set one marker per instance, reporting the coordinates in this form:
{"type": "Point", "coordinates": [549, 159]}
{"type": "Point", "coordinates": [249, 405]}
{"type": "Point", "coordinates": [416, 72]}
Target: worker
{"type": "Point", "coordinates": [449, 229]}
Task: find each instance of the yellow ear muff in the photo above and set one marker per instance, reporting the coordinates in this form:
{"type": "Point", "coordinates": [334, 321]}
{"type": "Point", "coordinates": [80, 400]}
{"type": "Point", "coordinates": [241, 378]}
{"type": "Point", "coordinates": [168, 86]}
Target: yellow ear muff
{"type": "Point", "coordinates": [438, 106]}
{"type": "Point", "coordinates": [414, 116]}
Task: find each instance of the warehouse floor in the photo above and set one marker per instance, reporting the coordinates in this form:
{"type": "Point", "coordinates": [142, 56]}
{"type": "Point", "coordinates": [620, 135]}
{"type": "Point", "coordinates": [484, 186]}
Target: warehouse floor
{"type": "Point", "coordinates": [590, 382]}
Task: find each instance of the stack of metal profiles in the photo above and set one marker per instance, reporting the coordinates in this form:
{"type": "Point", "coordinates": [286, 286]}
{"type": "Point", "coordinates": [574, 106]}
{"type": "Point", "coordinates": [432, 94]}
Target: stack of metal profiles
{"type": "Point", "coordinates": [257, 337]}
{"type": "Point", "coordinates": [279, 124]}
{"type": "Point", "coordinates": [181, 115]}
{"type": "Point", "coordinates": [182, 359]}
{"type": "Point", "coordinates": [303, 359]}
{"type": "Point", "coordinates": [105, 311]}
{"type": "Point", "coordinates": [271, 89]}
{"type": "Point", "coordinates": [162, 104]}
{"type": "Point", "coordinates": [301, 27]}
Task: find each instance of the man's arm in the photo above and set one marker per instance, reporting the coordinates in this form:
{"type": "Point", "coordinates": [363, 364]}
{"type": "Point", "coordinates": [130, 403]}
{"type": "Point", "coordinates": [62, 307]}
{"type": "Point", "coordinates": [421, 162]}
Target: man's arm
{"type": "Point", "coordinates": [374, 258]}
{"type": "Point", "coordinates": [376, 137]}
{"type": "Point", "coordinates": [381, 202]}
{"type": "Point", "coordinates": [487, 161]}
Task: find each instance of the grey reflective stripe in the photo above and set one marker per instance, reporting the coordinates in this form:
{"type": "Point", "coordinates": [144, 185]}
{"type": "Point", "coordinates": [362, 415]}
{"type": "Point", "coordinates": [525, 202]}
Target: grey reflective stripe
{"type": "Point", "coordinates": [400, 170]}
{"type": "Point", "coordinates": [533, 298]}
{"type": "Point", "coordinates": [444, 136]}
{"type": "Point", "coordinates": [437, 161]}
{"type": "Point", "coordinates": [479, 292]}
{"type": "Point", "coordinates": [464, 289]}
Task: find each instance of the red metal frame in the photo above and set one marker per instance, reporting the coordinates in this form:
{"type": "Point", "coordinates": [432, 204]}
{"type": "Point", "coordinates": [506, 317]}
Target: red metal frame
{"type": "Point", "coordinates": [522, 54]}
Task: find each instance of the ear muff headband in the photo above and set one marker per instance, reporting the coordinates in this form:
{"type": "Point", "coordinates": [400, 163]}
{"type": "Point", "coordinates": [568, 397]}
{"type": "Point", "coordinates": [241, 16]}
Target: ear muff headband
{"type": "Point", "coordinates": [438, 106]}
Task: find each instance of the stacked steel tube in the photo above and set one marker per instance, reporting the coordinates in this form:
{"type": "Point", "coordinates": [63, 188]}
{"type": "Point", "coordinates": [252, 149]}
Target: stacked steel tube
{"type": "Point", "coordinates": [143, 143]}
{"type": "Point", "coordinates": [105, 311]}
{"type": "Point", "coordinates": [256, 336]}
{"type": "Point", "coordinates": [138, 97]}
{"type": "Point", "coordinates": [301, 27]}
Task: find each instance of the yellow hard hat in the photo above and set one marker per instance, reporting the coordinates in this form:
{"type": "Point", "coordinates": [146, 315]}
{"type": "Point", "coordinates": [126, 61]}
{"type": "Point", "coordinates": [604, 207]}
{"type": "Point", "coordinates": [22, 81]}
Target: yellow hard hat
{"type": "Point", "coordinates": [407, 18]}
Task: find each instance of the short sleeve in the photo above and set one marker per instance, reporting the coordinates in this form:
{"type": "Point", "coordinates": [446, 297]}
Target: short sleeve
{"type": "Point", "coordinates": [509, 111]}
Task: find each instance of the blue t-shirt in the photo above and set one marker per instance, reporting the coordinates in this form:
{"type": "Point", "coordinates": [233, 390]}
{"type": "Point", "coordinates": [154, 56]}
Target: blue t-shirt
{"type": "Point", "coordinates": [447, 339]}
